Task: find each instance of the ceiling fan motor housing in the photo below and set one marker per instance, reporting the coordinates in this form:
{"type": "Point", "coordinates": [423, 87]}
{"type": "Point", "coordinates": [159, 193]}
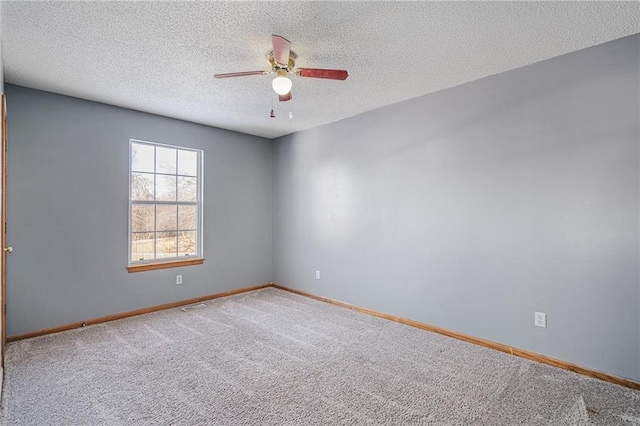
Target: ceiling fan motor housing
{"type": "Point", "coordinates": [277, 66]}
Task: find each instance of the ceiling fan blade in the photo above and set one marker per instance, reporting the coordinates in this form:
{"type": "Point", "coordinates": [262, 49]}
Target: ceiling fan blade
{"type": "Point", "coordinates": [281, 48]}
{"type": "Point", "coordinates": [285, 98]}
{"type": "Point", "coordinates": [322, 73]}
{"type": "Point", "coordinates": [240, 74]}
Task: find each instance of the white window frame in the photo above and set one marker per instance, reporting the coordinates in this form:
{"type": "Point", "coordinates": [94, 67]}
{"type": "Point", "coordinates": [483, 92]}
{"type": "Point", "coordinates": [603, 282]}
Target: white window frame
{"type": "Point", "coordinates": [199, 203]}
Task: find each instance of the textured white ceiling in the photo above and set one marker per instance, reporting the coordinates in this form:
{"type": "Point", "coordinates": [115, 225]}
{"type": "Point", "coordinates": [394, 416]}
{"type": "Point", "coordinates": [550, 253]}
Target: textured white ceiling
{"type": "Point", "coordinates": [160, 57]}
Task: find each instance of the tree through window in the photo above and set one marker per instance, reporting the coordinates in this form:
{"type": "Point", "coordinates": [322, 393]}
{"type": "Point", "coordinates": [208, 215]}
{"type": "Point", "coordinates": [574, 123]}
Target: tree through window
{"type": "Point", "coordinates": [165, 203]}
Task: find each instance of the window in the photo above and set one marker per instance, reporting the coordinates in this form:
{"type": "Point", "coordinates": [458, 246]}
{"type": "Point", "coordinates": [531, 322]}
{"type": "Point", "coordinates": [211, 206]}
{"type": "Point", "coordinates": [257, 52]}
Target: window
{"type": "Point", "coordinates": [165, 206]}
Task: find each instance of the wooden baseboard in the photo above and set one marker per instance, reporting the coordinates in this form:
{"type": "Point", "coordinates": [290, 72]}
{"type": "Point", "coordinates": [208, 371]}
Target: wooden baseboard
{"type": "Point", "coordinates": [127, 314]}
{"type": "Point", "coordinates": [475, 340]}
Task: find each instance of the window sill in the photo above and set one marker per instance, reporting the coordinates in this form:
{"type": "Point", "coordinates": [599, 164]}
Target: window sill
{"type": "Point", "coordinates": [164, 265]}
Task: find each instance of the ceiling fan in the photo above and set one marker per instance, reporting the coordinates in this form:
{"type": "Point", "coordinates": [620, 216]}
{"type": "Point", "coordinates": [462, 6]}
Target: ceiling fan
{"type": "Point", "coordinates": [282, 60]}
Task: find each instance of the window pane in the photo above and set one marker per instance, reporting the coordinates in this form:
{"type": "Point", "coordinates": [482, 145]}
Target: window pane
{"type": "Point", "coordinates": [165, 160]}
{"type": "Point", "coordinates": [141, 158]}
{"type": "Point", "coordinates": [187, 163]}
{"type": "Point", "coordinates": [142, 218]}
{"type": "Point", "coordinates": [167, 217]}
{"type": "Point", "coordinates": [187, 217]}
{"type": "Point", "coordinates": [142, 246]}
{"type": "Point", "coordinates": [165, 188]}
{"type": "Point", "coordinates": [187, 243]}
{"type": "Point", "coordinates": [187, 189]}
{"type": "Point", "coordinates": [166, 244]}
{"type": "Point", "coordinates": [141, 186]}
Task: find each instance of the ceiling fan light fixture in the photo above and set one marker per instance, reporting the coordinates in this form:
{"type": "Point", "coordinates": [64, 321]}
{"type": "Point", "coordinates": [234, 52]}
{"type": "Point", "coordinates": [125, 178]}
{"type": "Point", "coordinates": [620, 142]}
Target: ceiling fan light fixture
{"type": "Point", "coordinates": [282, 61]}
{"type": "Point", "coordinates": [281, 84]}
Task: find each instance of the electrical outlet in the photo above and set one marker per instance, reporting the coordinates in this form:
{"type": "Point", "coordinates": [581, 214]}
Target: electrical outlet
{"type": "Point", "coordinates": [317, 275]}
{"type": "Point", "coordinates": [178, 279]}
{"type": "Point", "coordinates": [540, 319]}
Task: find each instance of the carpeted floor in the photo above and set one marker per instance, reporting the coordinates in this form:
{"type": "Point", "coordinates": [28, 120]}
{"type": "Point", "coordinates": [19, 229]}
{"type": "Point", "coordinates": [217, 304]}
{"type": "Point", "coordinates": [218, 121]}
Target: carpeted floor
{"type": "Point", "coordinates": [270, 357]}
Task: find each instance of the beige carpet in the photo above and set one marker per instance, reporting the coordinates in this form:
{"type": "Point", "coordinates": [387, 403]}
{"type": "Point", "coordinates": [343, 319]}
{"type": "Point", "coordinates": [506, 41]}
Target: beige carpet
{"type": "Point", "coordinates": [274, 358]}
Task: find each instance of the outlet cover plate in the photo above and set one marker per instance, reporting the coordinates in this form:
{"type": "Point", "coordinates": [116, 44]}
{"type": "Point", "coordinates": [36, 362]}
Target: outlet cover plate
{"type": "Point", "coordinates": [540, 319]}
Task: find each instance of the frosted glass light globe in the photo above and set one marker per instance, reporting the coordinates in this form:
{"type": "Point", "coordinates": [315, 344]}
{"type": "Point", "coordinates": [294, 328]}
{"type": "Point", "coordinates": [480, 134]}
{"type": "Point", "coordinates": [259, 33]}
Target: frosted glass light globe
{"type": "Point", "coordinates": [281, 85]}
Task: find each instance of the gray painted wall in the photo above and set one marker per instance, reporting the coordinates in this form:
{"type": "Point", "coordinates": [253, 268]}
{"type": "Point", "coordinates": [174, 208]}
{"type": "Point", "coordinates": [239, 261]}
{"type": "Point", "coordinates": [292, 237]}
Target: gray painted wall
{"type": "Point", "coordinates": [68, 201]}
{"type": "Point", "coordinates": [473, 207]}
